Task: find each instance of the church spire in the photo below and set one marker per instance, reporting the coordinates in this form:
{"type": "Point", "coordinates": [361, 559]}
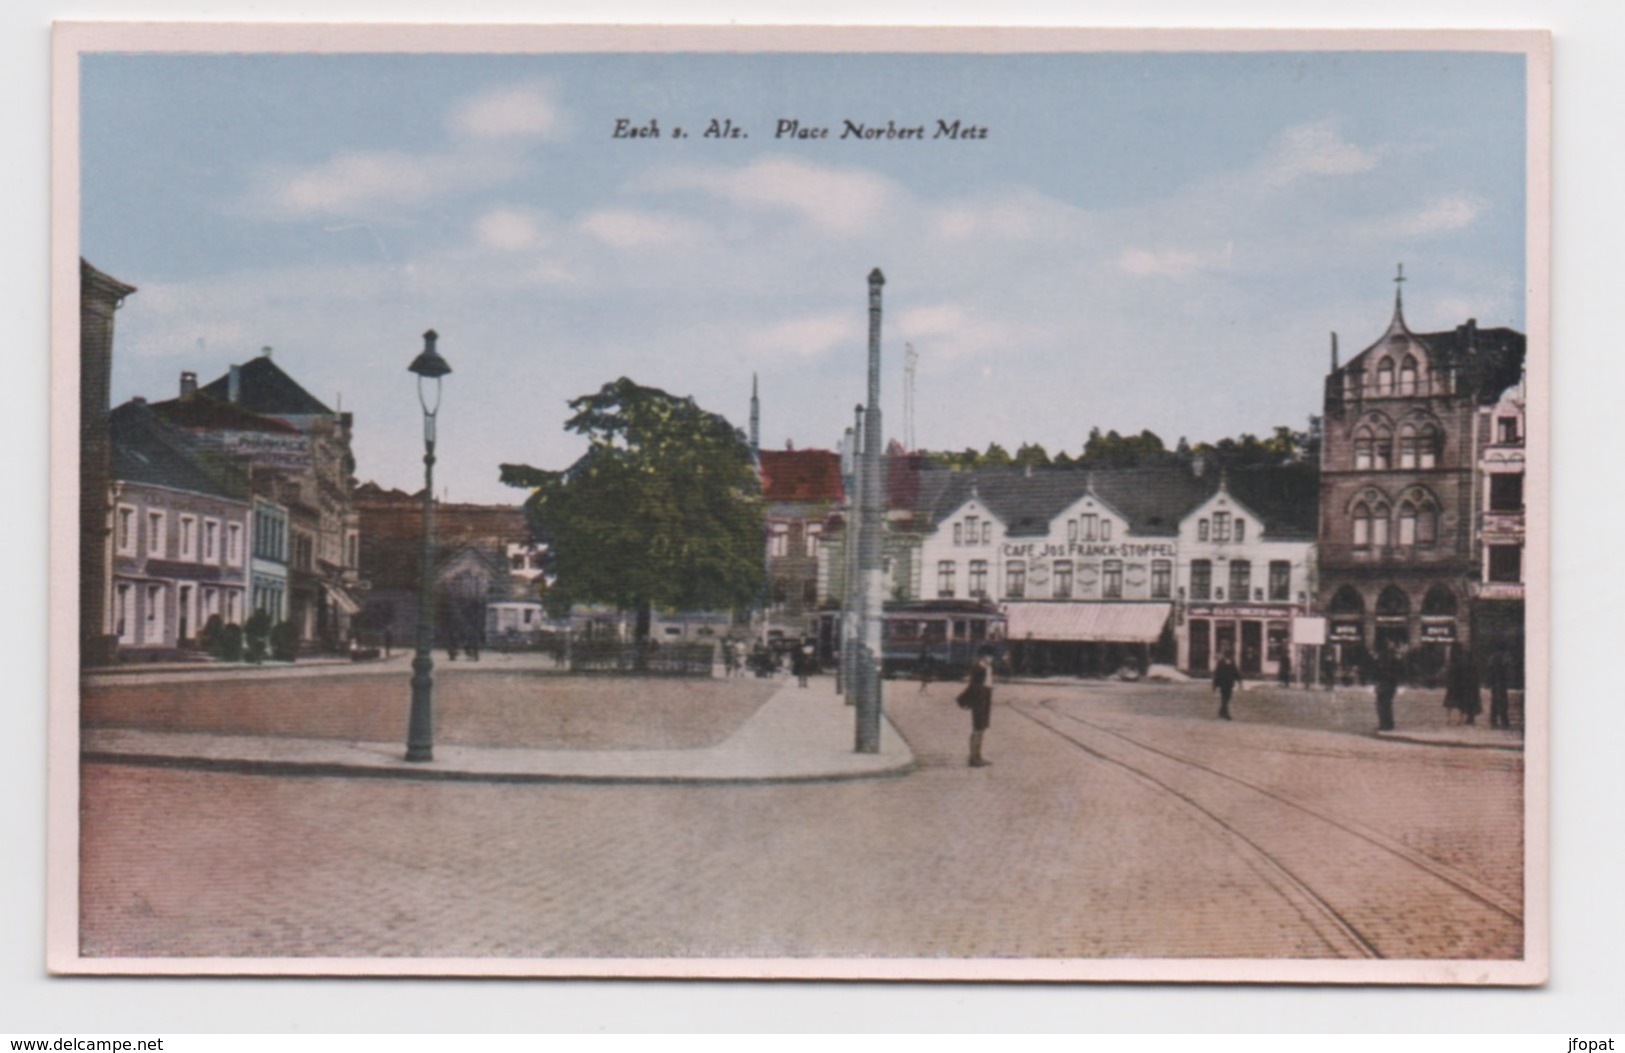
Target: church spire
{"type": "Point", "coordinates": [1399, 296]}
{"type": "Point", "coordinates": [755, 416]}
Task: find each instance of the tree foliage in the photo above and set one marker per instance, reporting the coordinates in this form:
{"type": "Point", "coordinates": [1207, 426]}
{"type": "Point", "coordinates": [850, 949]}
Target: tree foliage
{"type": "Point", "coordinates": [662, 511]}
{"type": "Point", "coordinates": [1145, 450]}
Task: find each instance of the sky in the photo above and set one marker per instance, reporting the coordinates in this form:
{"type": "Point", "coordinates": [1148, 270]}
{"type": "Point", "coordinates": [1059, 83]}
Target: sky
{"type": "Point", "coordinates": [1158, 241]}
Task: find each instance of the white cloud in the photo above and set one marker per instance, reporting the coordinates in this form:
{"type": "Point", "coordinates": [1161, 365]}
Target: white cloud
{"type": "Point", "coordinates": [625, 228]}
{"type": "Point", "coordinates": [839, 200]}
{"type": "Point", "coordinates": [521, 112]}
{"type": "Point", "coordinates": [1166, 263]}
{"type": "Point", "coordinates": [507, 230]}
{"type": "Point", "coordinates": [1441, 215]}
{"type": "Point", "coordinates": [812, 336]}
{"type": "Point", "coordinates": [1314, 150]}
{"type": "Point", "coordinates": [362, 180]}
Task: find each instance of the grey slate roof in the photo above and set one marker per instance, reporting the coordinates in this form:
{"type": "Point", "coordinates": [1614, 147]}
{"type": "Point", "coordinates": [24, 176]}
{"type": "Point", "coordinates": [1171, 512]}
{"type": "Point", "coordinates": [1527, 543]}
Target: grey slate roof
{"type": "Point", "coordinates": [264, 388]}
{"type": "Point", "coordinates": [147, 450]}
{"type": "Point", "coordinates": [1153, 500]}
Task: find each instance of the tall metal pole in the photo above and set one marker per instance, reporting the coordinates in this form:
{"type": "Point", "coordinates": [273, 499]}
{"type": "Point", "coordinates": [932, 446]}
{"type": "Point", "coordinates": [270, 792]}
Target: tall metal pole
{"type": "Point", "coordinates": [429, 367]}
{"type": "Point", "coordinates": [866, 678]}
{"type": "Point", "coordinates": [852, 594]}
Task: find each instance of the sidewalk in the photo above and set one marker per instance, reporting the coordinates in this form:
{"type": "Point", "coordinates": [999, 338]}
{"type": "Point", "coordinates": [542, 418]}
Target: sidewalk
{"type": "Point", "coordinates": [799, 734]}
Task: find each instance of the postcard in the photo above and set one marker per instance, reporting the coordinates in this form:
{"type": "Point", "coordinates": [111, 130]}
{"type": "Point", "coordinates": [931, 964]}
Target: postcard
{"type": "Point", "coordinates": [921, 504]}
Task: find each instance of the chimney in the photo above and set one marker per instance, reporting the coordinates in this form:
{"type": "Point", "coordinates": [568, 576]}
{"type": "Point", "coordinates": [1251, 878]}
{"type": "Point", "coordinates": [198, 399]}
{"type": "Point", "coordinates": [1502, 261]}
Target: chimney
{"type": "Point", "coordinates": [188, 384]}
{"type": "Point", "coordinates": [1334, 352]}
{"type": "Point", "coordinates": [234, 384]}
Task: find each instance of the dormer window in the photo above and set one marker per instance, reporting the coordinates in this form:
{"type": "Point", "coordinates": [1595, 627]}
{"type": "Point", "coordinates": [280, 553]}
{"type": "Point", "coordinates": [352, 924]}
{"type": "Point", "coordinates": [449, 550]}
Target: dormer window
{"type": "Point", "coordinates": [1407, 376]}
{"type": "Point", "coordinates": [970, 530]}
{"type": "Point", "coordinates": [1221, 526]}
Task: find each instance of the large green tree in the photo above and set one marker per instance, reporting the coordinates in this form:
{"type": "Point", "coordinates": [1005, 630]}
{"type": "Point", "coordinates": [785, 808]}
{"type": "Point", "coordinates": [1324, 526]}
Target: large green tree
{"type": "Point", "coordinates": [662, 511]}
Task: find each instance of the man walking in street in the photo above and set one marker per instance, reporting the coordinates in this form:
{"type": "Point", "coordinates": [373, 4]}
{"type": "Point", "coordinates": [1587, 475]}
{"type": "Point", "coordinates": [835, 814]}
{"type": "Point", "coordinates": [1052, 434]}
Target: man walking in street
{"type": "Point", "coordinates": [1388, 674]}
{"type": "Point", "coordinates": [1225, 678]}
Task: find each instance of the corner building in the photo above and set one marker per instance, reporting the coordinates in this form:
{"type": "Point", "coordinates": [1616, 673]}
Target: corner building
{"type": "Point", "coordinates": [1399, 501]}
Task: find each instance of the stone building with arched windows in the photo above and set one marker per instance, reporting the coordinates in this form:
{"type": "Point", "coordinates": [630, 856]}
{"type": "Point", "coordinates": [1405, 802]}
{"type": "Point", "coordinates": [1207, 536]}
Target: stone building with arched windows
{"type": "Point", "coordinates": [1401, 505]}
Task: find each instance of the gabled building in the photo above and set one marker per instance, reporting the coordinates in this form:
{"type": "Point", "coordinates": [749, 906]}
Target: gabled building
{"type": "Point", "coordinates": [1498, 600]}
{"type": "Point", "coordinates": [1402, 441]}
{"type": "Point", "coordinates": [180, 555]}
{"type": "Point", "coordinates": [1080, 563]}
{"type": "Point", "coordinates": [297, 452]}
{"type": "Point", "coordinates": [802, 495]}
{"type": "Point", "coordinates": [1246, 569]}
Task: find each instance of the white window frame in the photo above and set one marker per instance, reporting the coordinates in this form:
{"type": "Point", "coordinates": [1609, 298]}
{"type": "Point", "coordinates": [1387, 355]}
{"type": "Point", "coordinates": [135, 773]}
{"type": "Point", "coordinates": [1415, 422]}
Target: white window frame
{"type": "Point", "coordinates": [152, 615]}
{"type": "Point", "coordinates": [188, 539]}
{"type": "Point", "coordinates": [157, 542]}
{"type": "Point", "coordinates": [126, 525]}
{"type": "Point", "coordinates": [234, 545]}
{"type": "Point", "coordinates": [211, 541]}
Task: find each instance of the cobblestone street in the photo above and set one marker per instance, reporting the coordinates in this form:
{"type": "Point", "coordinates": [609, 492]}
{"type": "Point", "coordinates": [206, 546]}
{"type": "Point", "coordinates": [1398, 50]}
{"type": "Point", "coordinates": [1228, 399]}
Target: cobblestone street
{"type": "Point", "coordinates": [1116, 821]}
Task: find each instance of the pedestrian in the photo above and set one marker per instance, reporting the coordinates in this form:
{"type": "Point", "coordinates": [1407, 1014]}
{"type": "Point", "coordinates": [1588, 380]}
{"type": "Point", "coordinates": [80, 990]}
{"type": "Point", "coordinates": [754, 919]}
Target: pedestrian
{"type": "Point", "coordinates": [1225, 678]}
{"type": "Point", "coordinates": [1499, 675]}
{"type": "Point", "coordinates": [389, 640]}
{"type": "Point", "coordinates": [1389, 672]}
{"type": "Point", "coordinates": [923, 668]}
{"type": "Point", "coordinates": [1286, 668]}
{"type": "Point", "coordinates": [1328, 668]}
{"type": "Point", "coordinates": [978, 698]}
{"type": "Point", "coordinates": [801, 663]}
{"type": "Point", "coordinates": [729, 660]}
{"type": "Point", "coordinates": [1461, 700]}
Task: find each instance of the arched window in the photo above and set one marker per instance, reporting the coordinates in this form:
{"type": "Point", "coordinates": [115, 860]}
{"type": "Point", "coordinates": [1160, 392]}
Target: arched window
{"type": "Point", "coordinates": [1392, 602]}
{"type": "Point", "coordinates": [1407, 375]}
{"type": "Point", "coordinates": [1427, 446]}
{"type": "Point", "coordinates": [1362, 525]}
{"type": "Point", "coordinates": [1364, 443]}
{"type": "Point", "coordinates": [1407, 523]}
{"type": "Point", "coordinates": [1346, 601]}
{"type": "Point", "coordinates": [1385, 377]}
{"type": "Point", "coordinates": [1379, 524]}
{"type": "Point", "coordinates": [1408, 452]}
{"type": "Point", "coordinates": [1439, 601]}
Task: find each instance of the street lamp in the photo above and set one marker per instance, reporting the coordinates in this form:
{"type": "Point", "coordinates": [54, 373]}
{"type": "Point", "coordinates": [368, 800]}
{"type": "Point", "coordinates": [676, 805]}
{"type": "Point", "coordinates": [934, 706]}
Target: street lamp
{"type": "Point", "coordinates": [429, 367]}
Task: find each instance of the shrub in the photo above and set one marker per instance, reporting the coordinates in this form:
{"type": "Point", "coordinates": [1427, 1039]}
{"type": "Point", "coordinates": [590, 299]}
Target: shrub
{"type": "Point", "coordinates": [256, 633]}
{"type": "Point", "coordinates": [209, 637]}
{"type": "Point", "coordinates": [231, 643]}
{"type": "Point", "coordinates": [284, 642]}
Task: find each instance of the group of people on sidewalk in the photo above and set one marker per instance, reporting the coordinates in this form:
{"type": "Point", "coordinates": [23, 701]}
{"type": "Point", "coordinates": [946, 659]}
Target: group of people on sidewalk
{"type": "Point", "coordinates": [1462, 692]}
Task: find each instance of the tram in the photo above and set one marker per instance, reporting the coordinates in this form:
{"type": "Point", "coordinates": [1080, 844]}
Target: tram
{"type": "Point", "coordinates": [945, 633]}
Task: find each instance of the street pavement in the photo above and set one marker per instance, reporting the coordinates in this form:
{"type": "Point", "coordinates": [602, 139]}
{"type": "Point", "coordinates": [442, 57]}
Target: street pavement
{"type": "Point", "coordinates": [1117, 821]}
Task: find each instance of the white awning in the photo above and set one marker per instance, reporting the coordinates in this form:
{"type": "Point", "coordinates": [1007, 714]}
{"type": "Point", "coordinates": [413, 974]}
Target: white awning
{"type": "Point", "coordinates": [1087, 622]}
{"type": "Point", "coordinates": [342, 600]}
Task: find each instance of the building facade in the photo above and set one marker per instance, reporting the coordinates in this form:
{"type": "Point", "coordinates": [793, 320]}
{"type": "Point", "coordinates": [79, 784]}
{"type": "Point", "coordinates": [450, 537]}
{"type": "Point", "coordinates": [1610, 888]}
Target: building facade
{"type": "Point", "coordinates": [1498, 599]}
{"type": "Point", "coordinates": [99, 297]}
{"type": "Point", "coordinates": [1246, 569]}
{"type": "Point", "coordinates": [1399, 544]}
{"type": "Point", "coordinates": [802, 495]}
{"type": "Point", "coordinates": [180, 537]}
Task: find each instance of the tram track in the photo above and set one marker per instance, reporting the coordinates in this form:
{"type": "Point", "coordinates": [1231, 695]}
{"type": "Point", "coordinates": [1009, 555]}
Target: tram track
{"type": "Point", "coordinates": [1365, 894]}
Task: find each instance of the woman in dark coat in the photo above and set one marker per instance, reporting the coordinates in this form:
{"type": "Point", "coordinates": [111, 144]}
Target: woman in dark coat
{"type": "Point", "coordinates": [1461, 689]}
{"type": "Point", "coordinates": [978, 698]}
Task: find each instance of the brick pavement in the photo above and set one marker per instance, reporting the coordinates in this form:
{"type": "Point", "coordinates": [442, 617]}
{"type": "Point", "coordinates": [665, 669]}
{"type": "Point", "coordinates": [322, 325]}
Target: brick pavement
{"type": "Point", "coordinates": [1047, 854]}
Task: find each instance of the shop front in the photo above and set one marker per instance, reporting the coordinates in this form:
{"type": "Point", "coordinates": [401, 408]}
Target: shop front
{"type": "Point", "coordinates": [1087, 639]}
{"type": "Point", "coordinates": [1257, 637]}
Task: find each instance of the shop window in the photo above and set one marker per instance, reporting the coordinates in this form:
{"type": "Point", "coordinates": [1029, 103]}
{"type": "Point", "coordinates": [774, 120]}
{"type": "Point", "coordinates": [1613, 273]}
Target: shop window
{"type": "Point", "coordinates": [945, 579]}
{"type": "Point", "coordinates": [1506, 492]}
{"type": "Point", "coordinates": [1112, 579]}
{"type": "Point", "coordinates": [1162, 575]}
{"type": "Point", "coordinates": [1201, 579]}
{"type": "Point", "coordinates": [1241, 579]}
{"type": "Point", "coordinates": [1280, 580]}
{"type": "Point", "coordinates": [1062, 589]}
{"type": "Point", "coordinates": [1506, 563]}
{"type": "Point", "coordinates": [978, 579]}
{"type": "Point", "coordinates": [1015, 579]}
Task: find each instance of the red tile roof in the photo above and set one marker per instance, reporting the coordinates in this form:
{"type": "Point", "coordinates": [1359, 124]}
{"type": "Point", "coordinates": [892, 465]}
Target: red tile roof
{"type": "Point", "coordinates": [801, 475]}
